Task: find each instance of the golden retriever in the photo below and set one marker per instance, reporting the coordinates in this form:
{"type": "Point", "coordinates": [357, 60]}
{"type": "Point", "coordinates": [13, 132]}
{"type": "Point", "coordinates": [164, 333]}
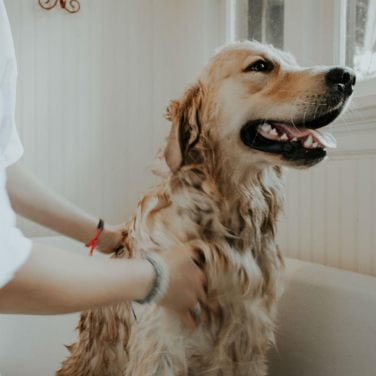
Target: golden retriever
{"type": "Point", "coordinates": [252, 111]}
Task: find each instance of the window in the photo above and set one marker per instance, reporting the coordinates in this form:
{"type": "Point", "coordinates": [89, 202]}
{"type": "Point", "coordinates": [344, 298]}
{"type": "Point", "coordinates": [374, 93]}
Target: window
{"type": "Point", "coordinates": [265, 21]}
{"type": "Point", "coordinates": [361, 37]}
{"type": "Point", "coordinates": [330, 32]}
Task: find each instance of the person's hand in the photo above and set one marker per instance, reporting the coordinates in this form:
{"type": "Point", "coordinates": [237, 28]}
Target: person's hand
{"type": "Point", "coordinates": [110, 238]}
{"type": "Point", "coordinates": [186, 285]}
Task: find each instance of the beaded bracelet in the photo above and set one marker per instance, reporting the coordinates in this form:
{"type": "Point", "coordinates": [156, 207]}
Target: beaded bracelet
{"type": "Point", "coordinates": [161, 279]}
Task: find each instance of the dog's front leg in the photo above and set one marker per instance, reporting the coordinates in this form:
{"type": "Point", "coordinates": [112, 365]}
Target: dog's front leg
{"type": "Point", "coordinates": [102, 346]}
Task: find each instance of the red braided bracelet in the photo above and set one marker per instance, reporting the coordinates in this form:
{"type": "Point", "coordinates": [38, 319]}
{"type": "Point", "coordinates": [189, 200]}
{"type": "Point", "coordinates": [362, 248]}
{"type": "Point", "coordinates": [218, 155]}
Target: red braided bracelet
{"type": "Point", "coordinates": [93, 242]}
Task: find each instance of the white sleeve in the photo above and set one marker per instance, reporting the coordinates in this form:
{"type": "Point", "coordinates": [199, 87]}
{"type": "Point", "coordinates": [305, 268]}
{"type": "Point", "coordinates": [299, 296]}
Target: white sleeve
{"type": "Point", "coordinates": [10, 146]}
{"type": "Point", "coordinates": [14, 247]}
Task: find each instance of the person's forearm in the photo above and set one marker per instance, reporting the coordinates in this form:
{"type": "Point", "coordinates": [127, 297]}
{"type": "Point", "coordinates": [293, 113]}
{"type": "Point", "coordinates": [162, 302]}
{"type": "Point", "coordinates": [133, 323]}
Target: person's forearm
{"type": "Point", "coordinates": [53, 281]}
{"type": "Point", "coordinates": [33, 200]}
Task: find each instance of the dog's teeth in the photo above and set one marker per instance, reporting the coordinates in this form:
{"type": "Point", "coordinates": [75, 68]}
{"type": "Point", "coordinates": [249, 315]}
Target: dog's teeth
{"type": "Point", "coordinates": [266, 128]}
{"type": "Point", "coordinates": [315, 145]}
{"type": "Point", "coordinates": [308, 142]}
{"type": "Point", "coordinates": [284, 137]}
{"type": "Point", "coordinates": [294, 139]}
{"type": "Point", "coordinates": [273, 132]}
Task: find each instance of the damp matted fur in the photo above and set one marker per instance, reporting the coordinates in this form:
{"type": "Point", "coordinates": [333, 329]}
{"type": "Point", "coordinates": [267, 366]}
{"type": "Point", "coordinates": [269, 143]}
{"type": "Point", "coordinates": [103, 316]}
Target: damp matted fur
{"type": "Point", "coordinates": [224, 199]}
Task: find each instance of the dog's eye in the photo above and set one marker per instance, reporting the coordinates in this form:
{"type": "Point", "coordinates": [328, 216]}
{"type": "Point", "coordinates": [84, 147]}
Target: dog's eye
{"type": "Point", "coordinates": [260, 66]}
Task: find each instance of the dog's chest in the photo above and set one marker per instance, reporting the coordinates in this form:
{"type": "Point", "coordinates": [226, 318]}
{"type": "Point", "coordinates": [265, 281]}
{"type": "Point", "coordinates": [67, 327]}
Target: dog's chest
{"type": "Point", "coordinates": [242, 266]}
{"type": "Point", "coordinates": [241, 257]}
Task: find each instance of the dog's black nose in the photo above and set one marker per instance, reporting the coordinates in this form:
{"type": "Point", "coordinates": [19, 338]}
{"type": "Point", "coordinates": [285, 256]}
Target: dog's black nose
{"type": "Point", "coordinates": [341, 79]}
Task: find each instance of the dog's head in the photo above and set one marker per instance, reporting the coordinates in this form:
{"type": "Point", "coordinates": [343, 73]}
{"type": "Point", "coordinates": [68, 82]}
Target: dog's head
{"type": "Point", "coordinates": [255, 105]}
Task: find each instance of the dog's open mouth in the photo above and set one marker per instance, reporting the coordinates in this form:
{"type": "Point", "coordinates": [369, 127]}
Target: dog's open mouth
{"type": "Point", "coordinates": [308, 138]}
{"type": "Point", "coordinates": [298, 142]}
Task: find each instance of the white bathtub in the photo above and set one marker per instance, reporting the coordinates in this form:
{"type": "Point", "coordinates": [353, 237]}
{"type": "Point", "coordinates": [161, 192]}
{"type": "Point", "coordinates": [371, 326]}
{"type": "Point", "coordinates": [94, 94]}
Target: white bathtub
{"type": "Point", "coordinates": [327, 327]}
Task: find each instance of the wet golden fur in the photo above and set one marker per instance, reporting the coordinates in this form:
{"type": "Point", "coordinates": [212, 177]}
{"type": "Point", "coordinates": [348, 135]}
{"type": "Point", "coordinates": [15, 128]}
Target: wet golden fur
{"type": "Point", "coordinates": [224, 199]}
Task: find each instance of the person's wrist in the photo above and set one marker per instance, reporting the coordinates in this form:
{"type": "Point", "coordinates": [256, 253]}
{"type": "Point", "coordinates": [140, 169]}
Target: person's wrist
{"type": "Point", "coordinates": [161, 279]}
{"type": "Point", "coordinates": [147, 276]}
{"type": "Point", "coordinates": [110, 239]}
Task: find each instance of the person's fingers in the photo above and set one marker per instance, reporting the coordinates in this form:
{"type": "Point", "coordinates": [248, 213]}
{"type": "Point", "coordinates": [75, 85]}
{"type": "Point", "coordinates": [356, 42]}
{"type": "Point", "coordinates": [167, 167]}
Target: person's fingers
{"type": "Point", "coordinates": [188, 320]}
{"type": "Point", "coordinates": [199, 260]}
{"type": "Point", "coordinates": [110, 239]}
{"type": "Point", "coordinates": [204, 316]}
{"type": "Point", "coordinates": [201, 281]}
{"type": "Point", "coordinates": [188, 282]}
{"type": "Point", "coordinates": [204, 282]}
{"type": "Point", "coordinates": [195, 313]}
{"type": "Point", "coordinates": [201, 295]}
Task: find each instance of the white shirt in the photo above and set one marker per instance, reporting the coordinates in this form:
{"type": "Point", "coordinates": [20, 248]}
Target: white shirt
{"type": "Point", "coordinates": [14, 247]}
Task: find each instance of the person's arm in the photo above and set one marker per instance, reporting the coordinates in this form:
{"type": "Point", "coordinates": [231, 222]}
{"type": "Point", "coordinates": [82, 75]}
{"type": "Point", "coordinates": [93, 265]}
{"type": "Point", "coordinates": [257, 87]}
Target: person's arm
{"type": "Point", "coordinates": [54, 281]}
{"type": "Point", "coordinates": [33, 200]}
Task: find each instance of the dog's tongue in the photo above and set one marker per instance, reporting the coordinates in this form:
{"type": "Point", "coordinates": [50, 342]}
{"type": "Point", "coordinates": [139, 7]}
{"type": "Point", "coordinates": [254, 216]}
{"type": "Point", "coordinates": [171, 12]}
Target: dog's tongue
{"type": "Point", "coordinates": [325, 138]}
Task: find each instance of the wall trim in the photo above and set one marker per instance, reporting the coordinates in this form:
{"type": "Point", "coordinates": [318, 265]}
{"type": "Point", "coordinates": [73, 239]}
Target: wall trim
{"type": "Point", "coordinates": [351, 154]}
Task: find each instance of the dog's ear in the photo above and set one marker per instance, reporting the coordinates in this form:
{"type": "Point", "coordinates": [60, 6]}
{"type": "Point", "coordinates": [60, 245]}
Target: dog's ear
{"type": "Point", "coordinates": [185, 129]}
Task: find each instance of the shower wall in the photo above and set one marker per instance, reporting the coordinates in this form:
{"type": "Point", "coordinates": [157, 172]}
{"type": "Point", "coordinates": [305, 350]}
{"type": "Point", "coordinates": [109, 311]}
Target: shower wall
{"type": "Point", "coordinates": [93, 88]}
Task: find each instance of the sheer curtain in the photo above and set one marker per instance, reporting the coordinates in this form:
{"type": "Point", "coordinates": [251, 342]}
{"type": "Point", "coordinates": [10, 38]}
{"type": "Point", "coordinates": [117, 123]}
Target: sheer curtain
{"type": "Point", "coordinates": [361, 36]}
{"type": "Point", "coordinates": [257, 19]}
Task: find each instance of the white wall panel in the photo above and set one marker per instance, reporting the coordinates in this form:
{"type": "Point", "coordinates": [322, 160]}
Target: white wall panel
{"type": "Point", "coordinates": [93, 88]}
{"type": "Point", "coordinates": [330, 212]}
